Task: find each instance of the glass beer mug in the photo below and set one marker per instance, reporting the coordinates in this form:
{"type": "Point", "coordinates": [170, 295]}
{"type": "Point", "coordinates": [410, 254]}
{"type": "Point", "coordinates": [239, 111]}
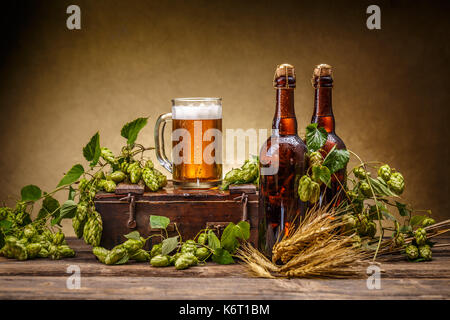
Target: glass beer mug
{"type": "Point", "coordinates": [196, 142]}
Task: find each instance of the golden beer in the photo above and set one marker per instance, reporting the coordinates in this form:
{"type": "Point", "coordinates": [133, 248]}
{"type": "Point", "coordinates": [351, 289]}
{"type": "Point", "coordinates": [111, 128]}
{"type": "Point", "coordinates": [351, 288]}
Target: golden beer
{"type": "Point", "coordinates": [196, 142]}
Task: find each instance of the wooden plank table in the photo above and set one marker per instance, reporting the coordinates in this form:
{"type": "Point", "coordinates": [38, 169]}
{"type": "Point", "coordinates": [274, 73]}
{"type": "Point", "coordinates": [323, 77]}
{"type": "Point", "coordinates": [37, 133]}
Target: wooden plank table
{"type": "Point", "coordinates": [46, 279]}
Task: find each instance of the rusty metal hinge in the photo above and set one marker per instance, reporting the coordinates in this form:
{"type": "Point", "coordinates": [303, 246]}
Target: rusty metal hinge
{"type": "Point", "coordinates": [244, 200]}
{"type": "Point", "coordinates": [131, 223]}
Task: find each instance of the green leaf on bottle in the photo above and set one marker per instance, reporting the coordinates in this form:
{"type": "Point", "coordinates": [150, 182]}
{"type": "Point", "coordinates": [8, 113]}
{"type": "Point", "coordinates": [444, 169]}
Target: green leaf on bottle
{"type": "Point", "coordinates": [336, 159]}
{"type": "Point", "coordinates": [31, 193]}
{"type": "Point", "coordinates": [321, 174]}
{"type": "Point", "coordinates": [315, 137]}
{"type": "Point", "coordinates": [92, 150]}
{"type": "Point", "coordinates": [72, 175]}
{"type": "Point", "coordinates": [131, 129]}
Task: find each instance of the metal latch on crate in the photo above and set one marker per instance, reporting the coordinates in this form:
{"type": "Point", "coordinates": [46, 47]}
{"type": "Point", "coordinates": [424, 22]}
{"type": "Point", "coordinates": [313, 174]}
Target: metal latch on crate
{"type": "Point", "coordinates": [131, 190]}
{"type": "Point", "coordinates": [131, 223]}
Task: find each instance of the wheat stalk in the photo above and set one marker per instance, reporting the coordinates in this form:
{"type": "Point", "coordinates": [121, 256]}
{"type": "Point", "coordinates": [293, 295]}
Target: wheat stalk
{"type": "Point", "coordinates": [313, 249]}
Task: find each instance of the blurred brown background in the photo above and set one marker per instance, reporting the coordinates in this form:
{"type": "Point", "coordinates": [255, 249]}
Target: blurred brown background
{"type": "Point", "coordinates": [58, 87]}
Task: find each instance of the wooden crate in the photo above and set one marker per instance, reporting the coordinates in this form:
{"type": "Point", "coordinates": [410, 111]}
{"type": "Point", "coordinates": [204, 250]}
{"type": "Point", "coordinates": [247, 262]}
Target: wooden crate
{"type": "Point", "coordinates": [191, 210]}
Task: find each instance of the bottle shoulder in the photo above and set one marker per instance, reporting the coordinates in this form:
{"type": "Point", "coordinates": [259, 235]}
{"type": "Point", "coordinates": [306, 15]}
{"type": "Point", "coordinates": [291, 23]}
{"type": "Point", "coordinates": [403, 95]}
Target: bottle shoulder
{"type": "Point", "coordinates": [286, 140]}
{"type": "Point", "coordinates": [334, 139]}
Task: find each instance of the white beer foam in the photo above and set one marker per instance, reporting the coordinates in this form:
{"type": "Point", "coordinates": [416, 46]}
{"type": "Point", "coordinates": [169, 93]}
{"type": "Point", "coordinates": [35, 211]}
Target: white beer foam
{"type": "Point", "coordinates": [199, 112]}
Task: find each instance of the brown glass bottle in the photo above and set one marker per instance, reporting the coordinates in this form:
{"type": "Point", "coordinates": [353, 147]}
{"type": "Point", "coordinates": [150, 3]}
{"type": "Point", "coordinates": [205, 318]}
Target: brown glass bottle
{"type": "Point", "coordinates": [323, 116]}
{"type": "Point", "coordinates": [282, 163]}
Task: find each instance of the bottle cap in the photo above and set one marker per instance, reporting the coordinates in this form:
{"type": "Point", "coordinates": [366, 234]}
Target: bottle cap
{"type": "Point", "coordinates": [322, 70]}
{"type": "Point", "coordinates": [284, 76]}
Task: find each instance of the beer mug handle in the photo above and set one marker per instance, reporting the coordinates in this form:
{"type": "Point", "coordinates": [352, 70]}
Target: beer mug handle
{"type": "Point", "coordinates": [159, 141]}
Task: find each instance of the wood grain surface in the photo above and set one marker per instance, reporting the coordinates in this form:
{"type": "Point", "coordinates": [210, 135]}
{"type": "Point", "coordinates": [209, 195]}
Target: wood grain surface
{"type": "Point", "coordinates": [46, 279]}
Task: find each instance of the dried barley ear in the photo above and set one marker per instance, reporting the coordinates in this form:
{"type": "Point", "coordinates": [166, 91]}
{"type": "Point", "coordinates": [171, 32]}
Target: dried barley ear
{"type": "Point", "coordinates": [316, 248]}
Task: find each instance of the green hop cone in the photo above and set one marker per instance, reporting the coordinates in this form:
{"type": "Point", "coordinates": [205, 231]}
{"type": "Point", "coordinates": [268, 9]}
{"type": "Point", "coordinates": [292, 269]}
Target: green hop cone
{"type": "Point", "coordinates": [182, 263]}
{"type": "Point", "coordinates": [362, 224]}
{"type": "Point", "coordinates": [420, 235]}
{"type": "Point", "coordinates": [79, 220]}
{"type": "Point", "coordinates": [93, 228]}
{"type": "Point", "coordinates": [202, 253]}
{"type": "Point", "coordinates": [64, 251]}
{"type": "Point", "coordinates": [133, 246]}
{"type": "Point", "coordinates": [189, 248]}
{"type": "Point", "coordinates": [396, 183]}
{"type": "Point", "coordinates": [315, 192]}
{"type": "Point", "coordinates": [160, 261]}
{"type": "Point", "coordinates": [135, 173]}
{"type": "Point", "coordinates": [20, 207]}
{"type": "Point", "coordinates": [124, 167]}
{"type": "Point", "coordinates": [162, 179]}
{"type": "Point", "coordinates": [428, 222]}
{"type": "Point", "coordinates": [117, 176]}
{"type": "Point", "coordinates": [360, 173]}
{"type": "Point", "coordinates": [315, 159]}
{"type": "Point", "coordinates": [399, 240]}
{"type": "Point", "coordinates": [132, 166]}
{"type": "Point", "coordinates": [33, 250]}
{"type": "Point", "coordinates": [186, 260]}
{"type": "Point", "coordinates": [174, 258]}
{"type": "Point", "coordinates": [100, 253]}
{"type": "Point", "coordinates": [156, 250]}
{"type": "Point", "coordinates": [305, 188]}
{"type": "Point", "coordinates": [48, 235]}
{"type": "Point", "coordinates": [43, 253]}
{"type": "Point", "coordinates": [58, 238]}
{"type": "Point", "coordinates": [150, 179]}
{"type": "Point", "coordinates": [231, 177]}
{"type": "Point", "coordinates": [82, 186]}
{"type": "Point", "coordinates": [365, 189]}
{"type": "Point", "coordinates": [384, 172]}
{"type": "Point", "coordinates": [78, 227]}
{"type": "Point", "coordinates": [371, 229]}
{"type": "Point", "coordinates": [29, 231]}
{"type": "Point", "coordinates": [19, 251]}
{"type": "Point", "coordinates": [141, 256]}
{"type": "Point", "coordinates": [352, 195]}
{"type": "Point", "coordinates": [116, 255]}
{"type": "Point", "coordinates": [81, 212]}
{"type": "Point", "coordinates": [249, 171]}
{"type": "Point", "coordinates": [350, 222]}
{"type": "Point", "coordinates": [109, 186]}
{"type": "Point", "coordinates": [356, 241]}
{"type": "Point", "coordinates": [99, 175]}
{"type": "Point", "coordinates": [425, 252]}
{"type": "Point", "coordinates": [149, 164]}
{"type": "Point", "coordinates": [4, 213]}
{"type": "Point", "coordinates": [412, 252]}
{"type": "Point", "coordinates": [202, 239]}
{"type": "Point", "coordinates": [108, 156]}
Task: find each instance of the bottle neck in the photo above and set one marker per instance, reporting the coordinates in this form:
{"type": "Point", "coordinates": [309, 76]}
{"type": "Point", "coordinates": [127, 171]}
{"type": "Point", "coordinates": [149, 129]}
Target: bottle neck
{"type": "Point", "coordinates": [284, 120]}
{"type": "Point", "coordinates": [323, 106]}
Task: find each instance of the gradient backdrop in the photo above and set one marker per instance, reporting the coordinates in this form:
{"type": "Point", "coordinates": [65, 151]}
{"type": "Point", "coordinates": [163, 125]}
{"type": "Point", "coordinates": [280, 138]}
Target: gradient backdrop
{"type": "Point", "coordinates": [58, 87]}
